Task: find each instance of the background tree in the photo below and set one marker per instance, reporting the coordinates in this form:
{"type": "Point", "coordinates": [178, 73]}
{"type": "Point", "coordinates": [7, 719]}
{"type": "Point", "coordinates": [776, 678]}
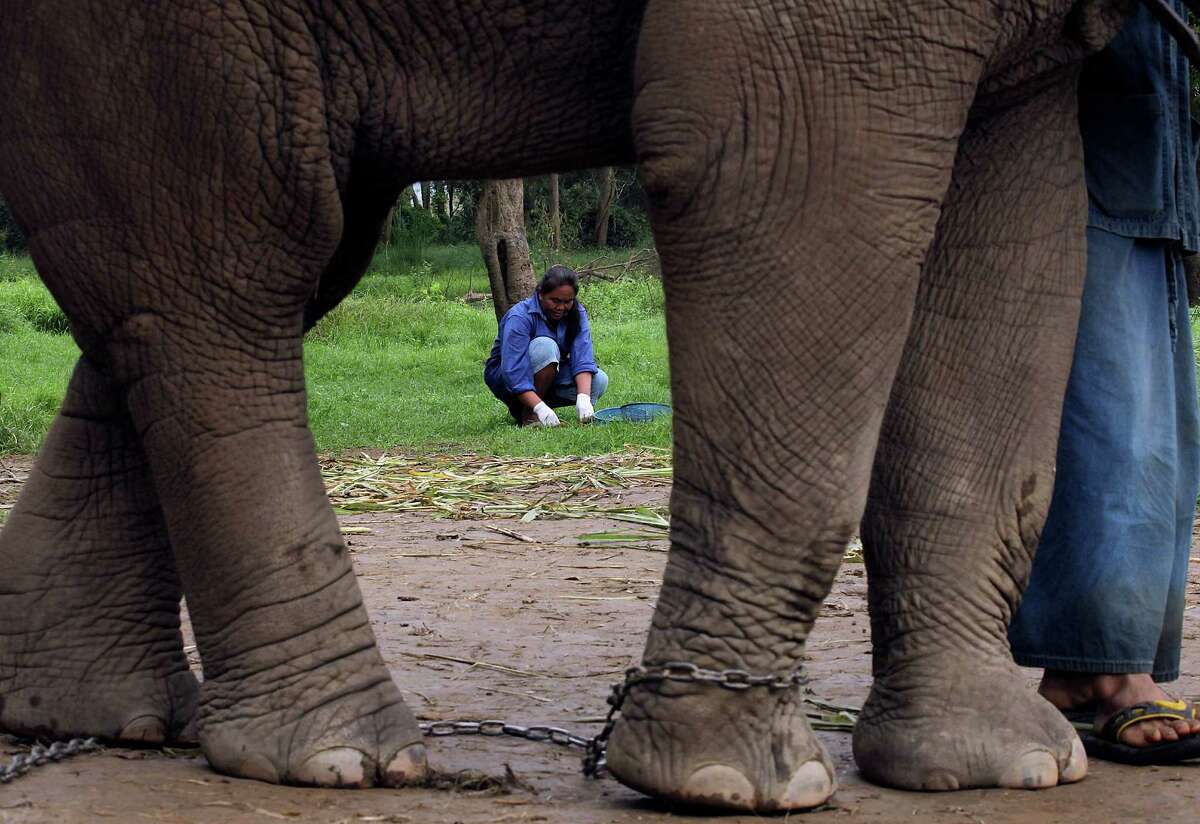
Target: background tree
{"type": "Point", "coordinates": [578, 202]}
{"type": "Point", "coordinates": [604, 204]}
{"type": "Point", "coordinates": [500, 229]}
{"type": "Point", "coordinates": [12, 239]}
{"type": "Point", "coordinates": [452, 217]}
{"type": "Point", "coordinates": [437, 199]}
{"type": "Point", "coordinates": [555, 217]}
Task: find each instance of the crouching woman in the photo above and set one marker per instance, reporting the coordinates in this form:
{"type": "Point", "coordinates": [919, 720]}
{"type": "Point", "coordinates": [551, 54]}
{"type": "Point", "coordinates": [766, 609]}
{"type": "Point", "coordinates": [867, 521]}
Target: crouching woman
{"type": "Point", "coordinates": [543, 357]}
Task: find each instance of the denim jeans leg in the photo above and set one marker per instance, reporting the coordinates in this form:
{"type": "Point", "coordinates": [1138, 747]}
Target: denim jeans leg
{"type": "Point", "coordinates": [1186, 416]}
{"type": "Point", "coordinates": [1105, 570]}
{"type": "Point", "coordinates": [543, 352]}
{"type": "Point", "coordinates": [564, 390]}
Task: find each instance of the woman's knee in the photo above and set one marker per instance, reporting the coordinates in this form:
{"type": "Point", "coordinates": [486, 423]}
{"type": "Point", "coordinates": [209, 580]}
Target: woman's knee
{"type": "Point", "coordinates": [599, 383]}
{"type": "Point", "coordinates": [543, 351]}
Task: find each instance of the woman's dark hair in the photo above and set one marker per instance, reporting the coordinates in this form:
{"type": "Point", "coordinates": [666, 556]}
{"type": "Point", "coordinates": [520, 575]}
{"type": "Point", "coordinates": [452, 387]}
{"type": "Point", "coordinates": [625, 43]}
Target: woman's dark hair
{"type": "Point", "coordinates": [556, 276]}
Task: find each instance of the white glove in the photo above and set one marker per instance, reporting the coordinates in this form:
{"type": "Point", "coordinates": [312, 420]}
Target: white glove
{"type": "Point", "coordinates": [545, 414]}
{"type": "Point", "coordinates": [583, 405]}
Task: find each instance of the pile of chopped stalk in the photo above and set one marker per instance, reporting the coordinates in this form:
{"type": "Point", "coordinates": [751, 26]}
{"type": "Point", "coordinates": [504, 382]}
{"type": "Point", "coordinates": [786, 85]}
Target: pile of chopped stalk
{"type": "Point", "coordinates": [465, 486]}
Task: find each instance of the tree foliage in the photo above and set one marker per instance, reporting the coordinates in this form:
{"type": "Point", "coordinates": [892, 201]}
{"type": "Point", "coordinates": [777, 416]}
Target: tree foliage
{"type": "Point", "coordinates": [579, 200]}
{"type": "Point", "coordinates": [12, 239]}
{"type": "Point", "coordinates": [449, 220]}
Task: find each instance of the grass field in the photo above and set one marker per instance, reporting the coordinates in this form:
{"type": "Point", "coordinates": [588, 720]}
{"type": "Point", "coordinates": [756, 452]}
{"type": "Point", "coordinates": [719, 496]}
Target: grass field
{"type": "Point", "coordinates": [398, 364]}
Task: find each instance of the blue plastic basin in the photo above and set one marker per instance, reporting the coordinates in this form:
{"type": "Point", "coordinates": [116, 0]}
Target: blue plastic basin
{"type": "Point", "coordinates": [633, 412]}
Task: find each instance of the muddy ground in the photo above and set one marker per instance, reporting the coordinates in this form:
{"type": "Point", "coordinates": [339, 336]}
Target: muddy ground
{"type": "Point", "coordinates": [476, 624]}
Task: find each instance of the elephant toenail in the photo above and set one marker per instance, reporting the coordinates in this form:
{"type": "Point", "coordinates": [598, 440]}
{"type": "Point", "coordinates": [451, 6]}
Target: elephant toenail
{"type": "Point", "coordinates": [257, 768]}
{"type": "Point", "coordinates": [146, 729]}
{"type": "Point", "coordinates": [810, 786]}
{"type": "Point", "coordinates": [337, 767]}
{"type": "Point", "coordinates": [719, 786]}
{"type": "Point", "coordinates": [407, 767]}
{"type": "Point", "coordinates": [1077, 764]}
{"type": "Point", "coordinates": [940, 781]}
{"type": "Point", "coordinates": [1032, 771]}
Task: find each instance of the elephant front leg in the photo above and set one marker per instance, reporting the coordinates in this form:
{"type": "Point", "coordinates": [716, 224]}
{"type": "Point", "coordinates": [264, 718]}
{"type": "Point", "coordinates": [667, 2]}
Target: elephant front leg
{"type": "Point", "coordinates": [90, 642]}
{"type": "Point", "coordinates": [295, 688]}
{"type": "Point", "coordinates": [795, 190]}
{"type": "Point", "coordinates": [965, 468]}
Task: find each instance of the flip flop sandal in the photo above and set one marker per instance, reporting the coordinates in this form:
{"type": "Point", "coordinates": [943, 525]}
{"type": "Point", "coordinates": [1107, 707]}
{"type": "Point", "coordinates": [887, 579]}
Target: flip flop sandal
{"type": "Point", "coordinates": [1106, 745]}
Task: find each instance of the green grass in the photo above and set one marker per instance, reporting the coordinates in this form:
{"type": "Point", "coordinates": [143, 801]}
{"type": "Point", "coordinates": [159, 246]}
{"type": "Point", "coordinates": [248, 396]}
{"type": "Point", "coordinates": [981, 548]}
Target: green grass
{"type": "Point", "coordinates": [398, 364]}
{"type": "Point", "coordinates": [33, 378]}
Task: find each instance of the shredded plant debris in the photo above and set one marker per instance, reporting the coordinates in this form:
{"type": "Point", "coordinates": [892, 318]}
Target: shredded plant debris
{"type": "Point", "coordinates": [463, 486]}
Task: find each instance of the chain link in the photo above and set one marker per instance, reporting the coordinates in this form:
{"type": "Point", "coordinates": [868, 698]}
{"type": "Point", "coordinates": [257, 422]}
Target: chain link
{"type": "Point", "coordinates": [595, 749]}
{"type": "Point", "coordinates": [552, 735]}
{"type": "Point", "coordinates": [39, 755]}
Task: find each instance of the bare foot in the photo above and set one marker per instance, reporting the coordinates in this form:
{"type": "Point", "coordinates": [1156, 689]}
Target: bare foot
{"type": "Point", "coordinates": [1112, 693]}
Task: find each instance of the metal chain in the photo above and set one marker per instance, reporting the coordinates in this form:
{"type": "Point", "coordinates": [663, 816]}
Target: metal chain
{"type": "Point", "coordinates": [596, 748]}
{"type": "Point", "coordinates": [553, 735]}
{"type": "Point", "coordinates": [39, 755]}
{"type": "Point", "coordinates": [595, 760]}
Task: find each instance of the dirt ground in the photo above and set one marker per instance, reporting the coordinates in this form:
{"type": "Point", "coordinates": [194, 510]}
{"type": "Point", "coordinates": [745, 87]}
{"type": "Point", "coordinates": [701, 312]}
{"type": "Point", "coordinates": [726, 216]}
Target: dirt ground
{"type": "Point", "coordinates": [477, 624]}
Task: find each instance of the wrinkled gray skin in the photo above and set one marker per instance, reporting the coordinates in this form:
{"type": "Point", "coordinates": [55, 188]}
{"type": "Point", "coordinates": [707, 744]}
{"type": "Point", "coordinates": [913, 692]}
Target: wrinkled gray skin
{"type": "Point", "coordinates": [876, 203]}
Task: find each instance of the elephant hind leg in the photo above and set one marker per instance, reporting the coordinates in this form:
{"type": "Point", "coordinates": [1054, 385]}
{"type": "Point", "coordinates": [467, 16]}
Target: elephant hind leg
{"type": "Point", "coordinates": [965, 467]}
{"type": "Point", "coordinates": [90, 640]}
{"type": "Point", "coordinates": [795, 183]}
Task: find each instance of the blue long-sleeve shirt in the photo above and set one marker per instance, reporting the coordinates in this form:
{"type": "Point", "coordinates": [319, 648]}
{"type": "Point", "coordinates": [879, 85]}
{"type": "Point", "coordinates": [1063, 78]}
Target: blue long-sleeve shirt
{"type": "Point", "coordinates": [1138, 136]}
{"type": "Point", "coordinates": [508, 370]}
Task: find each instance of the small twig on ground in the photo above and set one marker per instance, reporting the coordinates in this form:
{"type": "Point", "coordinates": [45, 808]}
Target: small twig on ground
{"type": "Point", "coordinates": [523, 538]}
{"type": "Point", "coordinates": [481, 664]}
{"type": "Point", "coordinates": [520, 694]}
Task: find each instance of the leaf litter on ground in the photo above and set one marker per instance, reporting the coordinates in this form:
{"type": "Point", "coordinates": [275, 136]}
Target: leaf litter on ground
{"type": "Point", "coordinates": [467, 486]}
{"type": "Point", "coordinates": [470, 486]}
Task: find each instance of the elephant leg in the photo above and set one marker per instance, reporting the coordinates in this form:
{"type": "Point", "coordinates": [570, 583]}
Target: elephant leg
{"type": "Point", "coordinates": [792, 219]}
{"type": "Point", "coordinates": [965, 467]}
{"type": "Point", "coordinates": [89, 598]}
{"type": "Point", "coordinates": [295, 689]}
{"type": "Point", "coordinates": [189, 238]}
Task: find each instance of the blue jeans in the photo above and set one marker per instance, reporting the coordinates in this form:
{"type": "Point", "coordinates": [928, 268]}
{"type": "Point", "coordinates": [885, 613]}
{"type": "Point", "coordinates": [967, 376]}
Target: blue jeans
{"type": "Point", "coordinates": [543, 352]}
{"type": "Point", "coordinates": [1107, 590]}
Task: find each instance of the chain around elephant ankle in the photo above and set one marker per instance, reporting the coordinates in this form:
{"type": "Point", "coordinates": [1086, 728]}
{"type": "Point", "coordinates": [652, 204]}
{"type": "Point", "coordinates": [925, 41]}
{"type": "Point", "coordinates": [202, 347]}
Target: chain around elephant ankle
{"type": "Point", "coordinates": [595, 759]}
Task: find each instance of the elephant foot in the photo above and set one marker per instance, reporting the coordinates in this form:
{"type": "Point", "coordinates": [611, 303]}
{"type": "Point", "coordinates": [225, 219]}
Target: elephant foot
{"type": "Point", "coordinates": [57, 701]}
{"type": "Point", "coordinates": [707, 746]}
{"type": "Point", "coordinates": [950, 729]}
{"type": "Point", "coordinates": [321, 731]}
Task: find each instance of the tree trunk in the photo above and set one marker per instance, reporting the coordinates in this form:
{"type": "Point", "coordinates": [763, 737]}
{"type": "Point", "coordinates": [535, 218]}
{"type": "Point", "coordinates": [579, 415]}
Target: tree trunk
{"type": "Point", "coordinates": [602, 209]}
{"type": "Point", "coordinates": [500, 229]}
{"type": "Point", "coordinates": [555, 217]}
{"type": "Point", "coordinates": [416, 201]}
{"type": "Point", "coordinates": [426, 187]}
{"type": "Point", "coordinates": [389, 225]}
{"type": "Point", "coordinates": [449, 198]}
